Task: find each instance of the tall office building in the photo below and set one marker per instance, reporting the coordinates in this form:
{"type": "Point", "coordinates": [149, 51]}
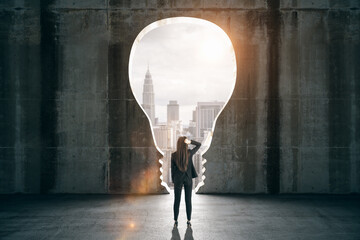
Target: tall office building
{"type": "Point", "coordinates": [205, 116]}
{"type": "Point", "coordinates": [194, 115]}
{"type": "Point", "coordinates": [164, 137]}
{"type": "Point", "coordinates": [172, 111]}
{"type": "Point", "coordinates": [192, 129]}
{"type": "Point", "coordinates": [148, 97]}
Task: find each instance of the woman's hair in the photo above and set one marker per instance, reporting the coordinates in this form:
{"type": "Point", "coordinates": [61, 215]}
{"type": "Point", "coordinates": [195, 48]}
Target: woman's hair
{"type": "Point", "coordinates": [182, 154]}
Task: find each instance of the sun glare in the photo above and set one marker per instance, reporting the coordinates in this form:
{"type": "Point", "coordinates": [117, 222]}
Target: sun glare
{"type": "Point", "coordinates": [132, 225]}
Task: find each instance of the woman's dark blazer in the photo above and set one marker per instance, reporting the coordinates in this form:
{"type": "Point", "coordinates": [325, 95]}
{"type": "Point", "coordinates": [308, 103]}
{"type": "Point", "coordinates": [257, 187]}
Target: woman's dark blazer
{"type": "Point", "coordinates": [176, 173]}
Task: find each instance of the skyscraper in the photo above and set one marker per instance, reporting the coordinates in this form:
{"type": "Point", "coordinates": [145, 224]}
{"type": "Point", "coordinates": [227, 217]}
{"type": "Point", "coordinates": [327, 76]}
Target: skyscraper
{"type": "Point", "coordinates": [172, 111]}
{"type": "Point", "coordinates": [148, 97]}
{"type": "Point", "coordinates": [205, 116]}
{"type": "Point", "coordinates": [164, 137]}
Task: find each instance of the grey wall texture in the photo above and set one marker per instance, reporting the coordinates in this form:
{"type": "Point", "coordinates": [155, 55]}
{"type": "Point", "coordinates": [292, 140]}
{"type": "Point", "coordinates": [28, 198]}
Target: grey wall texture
{"type": "Point", "coordinates": [69, 122]}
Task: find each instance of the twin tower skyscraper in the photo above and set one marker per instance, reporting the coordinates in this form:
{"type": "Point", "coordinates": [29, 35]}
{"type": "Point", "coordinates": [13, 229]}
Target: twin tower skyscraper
{"type": "Point", "coordinates": [149, 102]}
{"type": "Point", "coordinates": [149, 97]}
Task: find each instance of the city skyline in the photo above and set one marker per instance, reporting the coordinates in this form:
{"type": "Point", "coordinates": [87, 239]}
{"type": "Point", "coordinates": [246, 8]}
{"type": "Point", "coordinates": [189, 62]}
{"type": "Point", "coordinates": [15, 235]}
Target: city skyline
{"type": "Point", "coordinates": [182, 68]}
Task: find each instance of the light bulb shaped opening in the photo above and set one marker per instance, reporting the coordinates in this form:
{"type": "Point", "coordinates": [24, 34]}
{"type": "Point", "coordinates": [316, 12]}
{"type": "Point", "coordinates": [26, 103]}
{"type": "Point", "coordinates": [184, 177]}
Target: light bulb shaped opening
{"type": "Point", "coordinates": [182, 67]}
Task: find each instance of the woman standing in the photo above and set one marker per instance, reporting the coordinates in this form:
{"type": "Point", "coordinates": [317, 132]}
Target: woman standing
{"type": "Point", "coordinates": [182, 173]}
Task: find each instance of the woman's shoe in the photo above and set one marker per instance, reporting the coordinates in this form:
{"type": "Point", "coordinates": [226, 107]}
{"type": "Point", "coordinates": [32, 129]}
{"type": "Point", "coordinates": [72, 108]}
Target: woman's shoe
{"type": "Point", "coordinates": [188, 223]}
{"type": "Point", "coordinates": [175, 223]}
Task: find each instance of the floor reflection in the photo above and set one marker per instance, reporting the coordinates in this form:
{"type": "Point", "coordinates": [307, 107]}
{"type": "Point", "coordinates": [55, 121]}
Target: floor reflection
{"type": "Point", "coordinates": [188, 234]}
{"type": "Point", "coordinates": [175, 234]}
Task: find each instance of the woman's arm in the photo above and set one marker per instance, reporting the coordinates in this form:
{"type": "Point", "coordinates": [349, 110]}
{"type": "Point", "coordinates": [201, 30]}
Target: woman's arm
{"type": "Point", "coordinates": [196, 148]}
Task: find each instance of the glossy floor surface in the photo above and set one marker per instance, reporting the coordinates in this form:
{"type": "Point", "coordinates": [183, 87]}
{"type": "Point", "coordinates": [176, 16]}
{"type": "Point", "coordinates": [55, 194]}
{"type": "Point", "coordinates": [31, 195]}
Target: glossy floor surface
{"type": "Point", "coordinates": [151, 217]}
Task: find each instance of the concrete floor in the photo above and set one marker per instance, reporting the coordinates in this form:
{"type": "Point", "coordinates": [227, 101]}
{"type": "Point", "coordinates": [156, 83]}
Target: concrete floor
{"type": "Point", "coordinates": [151, 217]}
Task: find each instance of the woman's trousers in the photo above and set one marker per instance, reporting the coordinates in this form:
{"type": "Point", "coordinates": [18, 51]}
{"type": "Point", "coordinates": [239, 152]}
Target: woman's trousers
{"type": "Point", "coordinates": [177, 192]}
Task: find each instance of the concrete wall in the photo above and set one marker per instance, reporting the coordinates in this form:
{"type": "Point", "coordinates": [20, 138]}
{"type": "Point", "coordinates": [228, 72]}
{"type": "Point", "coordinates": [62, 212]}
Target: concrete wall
{"type": "Point", "coordinates": [70, 123]}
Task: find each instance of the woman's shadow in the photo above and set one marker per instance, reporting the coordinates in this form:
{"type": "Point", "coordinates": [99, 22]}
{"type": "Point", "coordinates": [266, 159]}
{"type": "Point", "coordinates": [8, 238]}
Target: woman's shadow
{"type": "Point", "coordinates": [188, 234]}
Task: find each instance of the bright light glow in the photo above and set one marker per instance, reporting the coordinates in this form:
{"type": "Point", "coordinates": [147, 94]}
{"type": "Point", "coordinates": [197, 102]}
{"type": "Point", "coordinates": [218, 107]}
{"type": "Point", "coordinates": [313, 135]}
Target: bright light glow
{"type": "Point", "coordinates": [212, 49]}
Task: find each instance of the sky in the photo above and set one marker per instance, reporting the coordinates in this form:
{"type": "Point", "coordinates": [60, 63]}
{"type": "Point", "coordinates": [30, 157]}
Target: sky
{"type": "Point", "coordinates": [188, 62]}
